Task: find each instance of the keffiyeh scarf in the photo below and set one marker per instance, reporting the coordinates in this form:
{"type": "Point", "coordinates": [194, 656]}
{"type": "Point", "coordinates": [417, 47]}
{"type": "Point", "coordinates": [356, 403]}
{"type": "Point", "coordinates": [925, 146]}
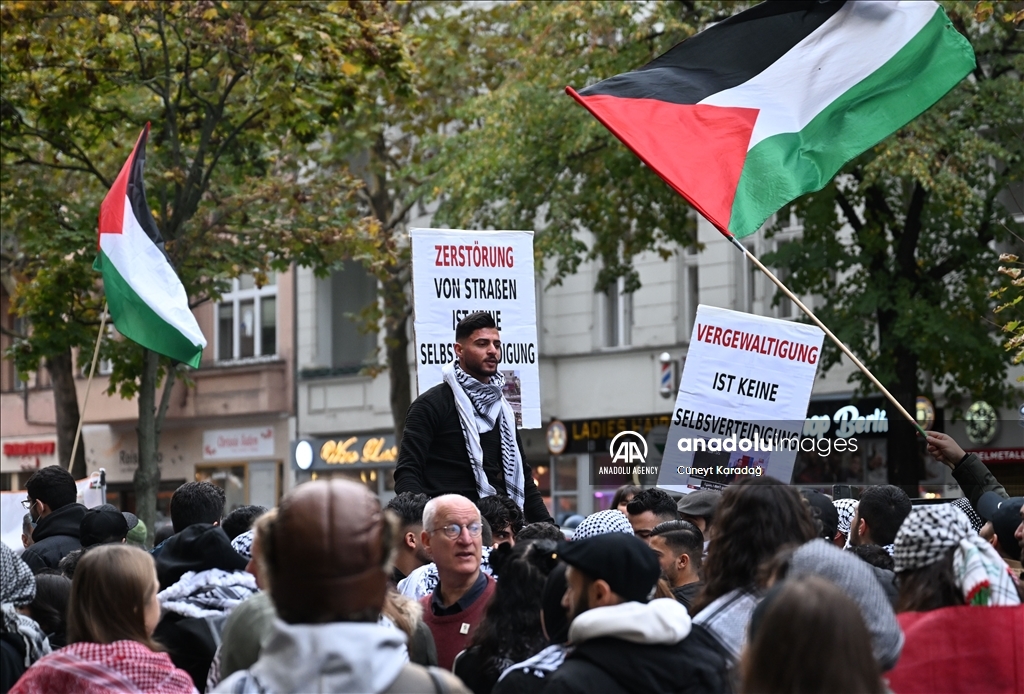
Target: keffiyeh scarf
{"type": "Point", "coordinates": [17, 588]}
{"type": "Point", "coordinates": [424, 579]}
{"type": "Point", "coordinates": [845, 508]}
{"type": "Point", "coordinates": [480, 407]}
{"type": "Point", "coordinates": [930, 531]}
{"type": "Point", "coordinates": [602, 523]}
{"type": "Point", "coordinates": [243, 543]}
{"type": "Point", "coordinates": [126, 667]}
{"type": "Point", "coordinates": [208, 593]}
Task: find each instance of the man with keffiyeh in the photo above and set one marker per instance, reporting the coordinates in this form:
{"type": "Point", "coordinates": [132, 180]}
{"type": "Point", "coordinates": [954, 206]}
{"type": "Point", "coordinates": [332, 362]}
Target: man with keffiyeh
{"type": "Point", "coordinates": [460, 436]}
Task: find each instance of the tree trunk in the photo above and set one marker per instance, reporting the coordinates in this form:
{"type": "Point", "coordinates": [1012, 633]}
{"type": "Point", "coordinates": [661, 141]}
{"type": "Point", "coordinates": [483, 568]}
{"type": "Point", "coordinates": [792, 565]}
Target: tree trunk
{"type": "Point", "coordinates": [65, 403]}
{"type": "Point", "coordinates": [905, 462]}
{"type": "Point", "coordinates": [147, 475]}
{"type": "Point", "coordinates": [396, 338]}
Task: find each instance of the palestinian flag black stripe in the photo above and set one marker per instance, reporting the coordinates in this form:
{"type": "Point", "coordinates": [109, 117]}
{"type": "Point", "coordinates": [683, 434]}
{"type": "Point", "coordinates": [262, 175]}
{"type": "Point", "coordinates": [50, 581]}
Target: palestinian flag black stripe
{"type": "Point", "coordinates": [727, 55]}
{"type": "Point", "coordinates": [768, 105]}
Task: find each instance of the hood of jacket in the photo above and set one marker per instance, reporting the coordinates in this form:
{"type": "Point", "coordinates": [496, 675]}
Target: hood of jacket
{"type": "Point", "coordinates": [696, 663]}
{"type": "Point", "coordinates": [338, 657]}
{"type": "Point", "coordinates": [662, 621]}
{"type": "Point", "coordinates": [64, 521]}
{"type": "Point", "coordinates": [198, 547]}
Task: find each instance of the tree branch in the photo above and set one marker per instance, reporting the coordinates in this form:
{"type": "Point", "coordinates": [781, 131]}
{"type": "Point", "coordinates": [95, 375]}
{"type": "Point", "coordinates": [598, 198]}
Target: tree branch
{"type": "Point", "coordinates": [848, 211]}
{"type": "Point", "coordinates": [165, 398]}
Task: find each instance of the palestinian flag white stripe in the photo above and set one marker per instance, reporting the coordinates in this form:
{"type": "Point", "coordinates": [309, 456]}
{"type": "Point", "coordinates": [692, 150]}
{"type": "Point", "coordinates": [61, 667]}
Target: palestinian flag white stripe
{"type": "Point", "coordinates": [147, 300]}
{"type": "Point", "coordinates": [850, 46]}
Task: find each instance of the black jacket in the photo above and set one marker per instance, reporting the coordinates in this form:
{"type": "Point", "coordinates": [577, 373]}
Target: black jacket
{"type": "Point", "coordinates": [695, 665]}
{"type": "Point", "coordinates": [55, 537]}
{"type": "Point", "coordinates": [433, 458]}
{"type": "Point", "coordinates": [198, 547]}
{"type": "Point", "coordinates": [975, 479]}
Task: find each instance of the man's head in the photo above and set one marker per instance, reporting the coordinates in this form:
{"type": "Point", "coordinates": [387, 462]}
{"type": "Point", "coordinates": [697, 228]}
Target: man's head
{"type": "Point", "coordinates": [326, 554]}
{"type": "Point", "coordinates": [241, 519]}
{"type": "Point", "coordinates": [504, 516]}
{"type": "Point", "coordinates": [1019, 533]}
{"type": "Point", "coordinates": [196, 502]}
{"type": "Point", "coordinates": [478, 345]}
{"type": "Point", "coordinates": [102, 526]}
{"type": "Point", "coordinates": [1001, 519]}
{"type": "Point", "coordinates": [48, 489]}
{"type": "Point", "coordinates": [607, 570]}
{"type": "Point", "coordinates": [649, 508]}
{"type": "Point", "coordinates": [452, 534]}
{"type": "Point", "coordinates": [679, 546]}
{"type": "Point", "coordinates": [409, 509]}
{"type": "Point", "coordinates": [879, 515]}
{"type": "Point", "coordinates": [699, 508]}
{"type": "Point", "coordinates": [823, 512]}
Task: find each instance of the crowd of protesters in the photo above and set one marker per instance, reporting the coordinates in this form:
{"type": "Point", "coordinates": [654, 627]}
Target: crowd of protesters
{"type": "Point", "coordinates": [756, 588]}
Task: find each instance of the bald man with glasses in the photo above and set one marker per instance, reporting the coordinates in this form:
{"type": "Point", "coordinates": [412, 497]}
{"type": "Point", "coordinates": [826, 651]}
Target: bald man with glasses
{"type": "Point", "coordinates": [451, 534]}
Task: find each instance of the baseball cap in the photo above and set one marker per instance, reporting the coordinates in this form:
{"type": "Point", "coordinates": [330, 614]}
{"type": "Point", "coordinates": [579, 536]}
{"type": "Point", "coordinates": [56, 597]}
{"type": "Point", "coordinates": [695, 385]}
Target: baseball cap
{"type": "Point", "coordinates": [625, 563]}
{"type": "Point", "coordinates": [100, 525]}
{"type": "Point", "coordinates": [1004, 514]}
{"type": "Point", "coordinates": [827, 513]}
{"type": "Point", "coordinates": [700, 503]}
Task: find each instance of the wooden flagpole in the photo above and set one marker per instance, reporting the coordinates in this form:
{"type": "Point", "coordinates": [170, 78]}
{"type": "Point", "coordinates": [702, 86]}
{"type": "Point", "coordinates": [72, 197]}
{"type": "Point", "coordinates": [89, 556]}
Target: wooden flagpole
{"type": "Point", "coordinates": [88, 384]}
{"type": "Point", "coordinates": [810, 314]}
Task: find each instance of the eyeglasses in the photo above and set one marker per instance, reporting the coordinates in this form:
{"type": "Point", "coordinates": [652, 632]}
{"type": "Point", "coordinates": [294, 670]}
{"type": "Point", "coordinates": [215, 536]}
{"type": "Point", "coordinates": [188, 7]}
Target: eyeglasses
{"type": "Point", "coordinates": [27, 504]}
{"type": "Point", "coordinates": [453, 530]}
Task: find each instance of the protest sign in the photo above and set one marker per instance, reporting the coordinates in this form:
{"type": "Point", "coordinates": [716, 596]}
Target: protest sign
{"type": "Point", "coordinates": [458, 272]}
{"type": "Point", "coordinates": [742, 400]}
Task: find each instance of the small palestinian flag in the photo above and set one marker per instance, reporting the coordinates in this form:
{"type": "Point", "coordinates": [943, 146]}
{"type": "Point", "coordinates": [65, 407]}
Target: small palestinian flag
{"type": "Point", "coordinates": [749, 115]}
{"type": "Point", "coordinates": [147, 301]}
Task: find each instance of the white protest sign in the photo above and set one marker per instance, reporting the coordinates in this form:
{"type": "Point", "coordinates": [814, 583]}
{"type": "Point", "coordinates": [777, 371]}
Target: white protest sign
{"type": "Point", "coordinates": [458, 272]}
{"type": "Point", "coordinates": [742, 400]}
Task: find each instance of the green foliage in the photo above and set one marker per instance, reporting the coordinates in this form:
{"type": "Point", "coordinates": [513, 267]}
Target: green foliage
{"type": "Point", "coordinates": [239, 173]}
{"type": "Point", "coordinates": [529, 157]}
{"type": "Point", "coordinates": [1010, 297]}
{"type": "Point", "coordinates": [901, 244]}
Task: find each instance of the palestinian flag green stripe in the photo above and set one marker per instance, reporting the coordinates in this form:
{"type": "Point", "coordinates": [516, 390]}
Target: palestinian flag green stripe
{"type": "Point", "coordinates": [142, 323]}
{"type": "Point", "coordinates": [783, 167]}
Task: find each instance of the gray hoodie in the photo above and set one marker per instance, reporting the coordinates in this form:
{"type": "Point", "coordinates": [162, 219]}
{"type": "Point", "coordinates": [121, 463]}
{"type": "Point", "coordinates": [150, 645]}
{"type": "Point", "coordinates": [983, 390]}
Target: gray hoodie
{"type": "Point", "coordinates": [357, 657]}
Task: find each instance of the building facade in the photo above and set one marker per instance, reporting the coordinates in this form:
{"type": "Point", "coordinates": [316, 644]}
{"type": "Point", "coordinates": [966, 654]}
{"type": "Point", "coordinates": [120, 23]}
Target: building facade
{"type": "Point", "coordinates": [601, 365]}
{"type": "Point", "coordinates": [231, 427]}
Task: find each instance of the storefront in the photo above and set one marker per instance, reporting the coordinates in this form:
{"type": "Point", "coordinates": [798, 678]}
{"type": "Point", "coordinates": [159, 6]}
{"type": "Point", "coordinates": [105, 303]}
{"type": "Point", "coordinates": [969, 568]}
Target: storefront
{"type": "Point", "coordinates": [580, 448]}
{"type": "Point", "coordinates": [367, 458]}
{"type": "Point", "coordinates": [246, 462]}
{"type": "Point", "coordinates": [20, 456]}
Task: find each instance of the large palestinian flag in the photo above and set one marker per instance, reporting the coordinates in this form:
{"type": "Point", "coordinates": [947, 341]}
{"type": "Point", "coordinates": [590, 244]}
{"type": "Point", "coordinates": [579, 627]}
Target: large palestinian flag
{"type": "Point", "coordinates": [752, 113]}
{"type": "Point", "coordinates": [147, 301]}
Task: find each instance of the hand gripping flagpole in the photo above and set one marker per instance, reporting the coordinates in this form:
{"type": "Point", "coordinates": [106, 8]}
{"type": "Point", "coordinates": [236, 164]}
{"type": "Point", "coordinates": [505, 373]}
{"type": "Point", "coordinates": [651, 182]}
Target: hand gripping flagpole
{"type": "Point", "coordinates": [88, 385]}
{"type": "Point", "coordinates": [810, 314]}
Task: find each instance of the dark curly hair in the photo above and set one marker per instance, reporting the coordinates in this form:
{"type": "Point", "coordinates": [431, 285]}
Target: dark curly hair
{"type": "Point", "coordinates": [510, 631]}
{"type": "Point", "coordinates": [501, 512]}
{"type": "Point", "coordinates": [655, 500]}
{"type": "Point", "coordinates": [756, 517]}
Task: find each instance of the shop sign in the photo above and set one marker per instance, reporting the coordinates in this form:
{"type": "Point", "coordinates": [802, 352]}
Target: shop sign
{"type": "Point", "coordinates": [997, 456]}
{"type": "Point", "coordinates": [595, 434]}
{"type": "Point", "coordinates": [30, 448]}
{"type": "Point", "coordinates": [360, 450]}
{"type": "Point", "coordinates": [230, 444]}
{"type": "Point", "coordinates": [839, 419]}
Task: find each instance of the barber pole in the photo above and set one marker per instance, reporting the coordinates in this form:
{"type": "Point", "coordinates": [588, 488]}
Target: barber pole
{"type": "Point", "coordinates": [666, 381]}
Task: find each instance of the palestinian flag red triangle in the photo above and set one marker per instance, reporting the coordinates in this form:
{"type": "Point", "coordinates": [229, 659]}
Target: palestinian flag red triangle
{"type": "Point", "coordinates": [713, 138]}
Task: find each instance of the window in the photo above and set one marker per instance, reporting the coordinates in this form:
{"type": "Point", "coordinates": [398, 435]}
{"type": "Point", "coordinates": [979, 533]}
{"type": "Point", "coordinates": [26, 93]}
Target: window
{"type": "Point", "coordinates": [618, 315]}
{"type": "Point", "coordinates": [104, 367]}
{"type": "Point", "coordinates": [689, 295]}
{"type": "Point", "coordinates": [785, 307]}
{"type": "Point", "coordinates": [247, 320]}
{"type": "Point", "coordinates": [352, 290]}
